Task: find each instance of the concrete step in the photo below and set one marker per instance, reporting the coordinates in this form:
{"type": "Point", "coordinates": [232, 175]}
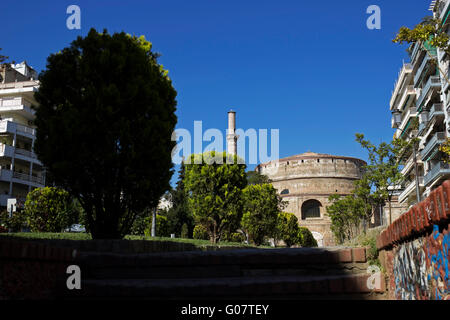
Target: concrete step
{"type": "Point", "coordinates": [274, 287]}
{"type": "Point", "coordinates": [233, 263]}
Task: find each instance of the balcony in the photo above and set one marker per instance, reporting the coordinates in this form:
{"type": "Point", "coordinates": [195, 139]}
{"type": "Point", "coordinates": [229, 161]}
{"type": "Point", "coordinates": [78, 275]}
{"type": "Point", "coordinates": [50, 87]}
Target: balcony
{"type": "Point", "coordinates": [416, 49]}
{"type": "Point", "coordinates": [439, 170]}
{"type": "Point", "coordinates": [433, 82]}
{"type": "Point", "coordinates": [410, 188]}
{"type": "Point", "coordinates": [436, 111]}
{"type": "Point", "coordinates": [426, 61]}
{"type": "Point", "coordinates": [6, 151]}
{"type": "Point", "coordinates": [409, 164]}
{"type": "Point", "coordinates": [23, 178]}
{"type": "Point", "coordinates": [437, 139]}
{"type": "Point", "coordinates": [26, 153]}
{"type": "Point", "coordinates": [411, 112]}
{"type": "Point", "coordinates": [26, 177]}
{"type": "Point", "coordinates": [404, 71]}
{"type": "Point", "coordinates": [13, 127]}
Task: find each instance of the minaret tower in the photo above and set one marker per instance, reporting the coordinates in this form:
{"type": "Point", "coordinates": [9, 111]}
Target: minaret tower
{"type": "Point", "coordinates": [231, 133]}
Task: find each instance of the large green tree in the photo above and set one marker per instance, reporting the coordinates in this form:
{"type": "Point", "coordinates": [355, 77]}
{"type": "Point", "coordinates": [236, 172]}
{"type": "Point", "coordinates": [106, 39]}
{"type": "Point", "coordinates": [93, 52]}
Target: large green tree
{"type": "Point", "coordinates": [104, 125]}
{"type": "Point", "coordinates": [261, 204]}
{"type": "Point", "coordinates": [383, 172]}
{"type": "Point", "coordinates": [214, 187]}
{"type": "Point", "coordinates": [346, 214]}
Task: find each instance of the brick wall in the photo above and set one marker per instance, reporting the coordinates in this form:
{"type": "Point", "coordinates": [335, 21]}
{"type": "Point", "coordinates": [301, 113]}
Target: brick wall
{"type": "Point", "coordinates": [32, 270]}
{"type": "Point", "coordinates": [414, 249]}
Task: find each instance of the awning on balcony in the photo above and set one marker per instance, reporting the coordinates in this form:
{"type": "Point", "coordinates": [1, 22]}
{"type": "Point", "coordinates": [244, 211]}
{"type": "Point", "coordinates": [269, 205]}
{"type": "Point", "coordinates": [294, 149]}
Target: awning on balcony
{"type": "Point", "coordinates": [406, 128]}
{"type": "Point", "coordinates": [431, 156]}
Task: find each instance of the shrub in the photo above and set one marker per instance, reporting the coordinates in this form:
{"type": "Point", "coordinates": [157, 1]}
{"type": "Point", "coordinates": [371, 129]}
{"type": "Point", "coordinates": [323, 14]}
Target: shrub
{"type": "Point", "coordinates": [162, 226]}
{"type": "Point", "coordinates": [288, 228]}
{"type": "Point", "coordinates": [233, 237]}
{"type": "Point", "coordinates": [306, 238]}
{"type": "Point", "coordinates": [261, 205]}
{"type": "Point", "coordinates": [184, 231]}
{"type": "Point", "coordinates": [16, 223]}
{"type": "Point", "coordinates": [50, 209]}
{"type": "Point", "coordinates": [200, 232]}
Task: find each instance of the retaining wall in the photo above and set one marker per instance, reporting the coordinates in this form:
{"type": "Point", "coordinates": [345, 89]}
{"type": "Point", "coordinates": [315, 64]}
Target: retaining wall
{"type": "Point", "coordinates": [414, 249]}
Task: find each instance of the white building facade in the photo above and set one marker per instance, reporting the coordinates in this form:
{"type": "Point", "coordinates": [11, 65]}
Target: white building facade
{"type": "Point", "coordinates": [421, 106]}
{"type": "Point", "coordinates": [20, 170]}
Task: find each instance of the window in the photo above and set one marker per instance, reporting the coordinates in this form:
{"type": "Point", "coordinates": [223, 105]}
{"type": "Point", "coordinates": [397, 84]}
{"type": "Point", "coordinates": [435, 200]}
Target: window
{"type": "Point", "coordinates": [285, 191]}
{"type": "Point", "coordinates": [311, 209]}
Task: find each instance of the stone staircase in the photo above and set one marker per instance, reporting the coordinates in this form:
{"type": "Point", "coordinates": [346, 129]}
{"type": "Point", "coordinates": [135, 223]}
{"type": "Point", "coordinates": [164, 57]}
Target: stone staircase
{"type": "Point", "coordinates": [300, 273]}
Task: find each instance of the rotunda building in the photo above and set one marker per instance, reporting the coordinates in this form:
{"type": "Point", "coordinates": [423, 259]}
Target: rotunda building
{"type": "Point", "coordinates": [306, 181]}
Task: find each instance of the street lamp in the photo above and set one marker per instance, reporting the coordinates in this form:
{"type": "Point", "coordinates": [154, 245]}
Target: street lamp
{"type": "Point", "coordinates": [397, 117]}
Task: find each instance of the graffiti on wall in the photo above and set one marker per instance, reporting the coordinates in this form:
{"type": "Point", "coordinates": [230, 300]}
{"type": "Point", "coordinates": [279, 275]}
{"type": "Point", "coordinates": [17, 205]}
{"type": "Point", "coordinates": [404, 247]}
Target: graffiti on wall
{"type": "Point", "coordinates": [421, 269]}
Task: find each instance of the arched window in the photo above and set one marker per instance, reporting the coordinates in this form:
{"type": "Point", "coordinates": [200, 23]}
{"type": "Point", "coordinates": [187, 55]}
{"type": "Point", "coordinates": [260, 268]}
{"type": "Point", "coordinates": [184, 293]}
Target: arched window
{"type": "Point", "coordinates": [311, 209]}
{"type": "Point", "coordinates": [285, 191]}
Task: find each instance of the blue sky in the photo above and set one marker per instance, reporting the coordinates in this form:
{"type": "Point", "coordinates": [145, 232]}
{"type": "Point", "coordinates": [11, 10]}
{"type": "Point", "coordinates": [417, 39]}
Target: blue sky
{"type": "Point", "coordinates": [311, 69]}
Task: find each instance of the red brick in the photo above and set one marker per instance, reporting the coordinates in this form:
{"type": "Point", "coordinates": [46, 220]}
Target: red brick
{"type": "Point", "coordinates": [434, 207]}
{"type": "Point", "coordinates": [5, 248]}
{"type": "Point", "coordinates": [421, 216]}
{"type": "Point", "coordinates": [440, 202]}
{"type": "Point", "coordinates": [336, 285]}
{"type": "Point", "coordinates": [411, 221]}
{"type": "Point", "coordinates": [359, 254]}
{"type": "Point", "coordinates": [446, 195]}
{"type": "Point", "coordinates": [428, 212]}
{"type": "Point", "coordinates": [356, 283]}
{"type": "Point", "coordinates": [345, 255]}
{"type": "Point", "coordinates": [414, 224]}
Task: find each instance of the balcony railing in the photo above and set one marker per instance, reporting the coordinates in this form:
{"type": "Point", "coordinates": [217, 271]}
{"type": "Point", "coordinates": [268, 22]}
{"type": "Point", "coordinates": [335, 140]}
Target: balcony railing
{"type": "Point", "coordinates": [433, 82]}
{"type": "Point", "coordinates": [406, 68]}
{"type": "Point", "coordinates": [25, 129]}
{"type": "Point", "coordinates": [438, 138]}
{"type": "Point", "coordinates": [13, 102]}
{"type": "Point", "coordinates": [416, 50]}
{"type": "Point", "coordinates": [26, 153]}
{"type": "Point", "coordinates": [436, 110]}
{"type": "Point", "coordinates": [410, 188]}
{"type": "Point", "coordinates": [425, 62]}
{"type": "Point", "coordinates": [26, 177]}
{"type": "Point", "coordinates": [439, 170]}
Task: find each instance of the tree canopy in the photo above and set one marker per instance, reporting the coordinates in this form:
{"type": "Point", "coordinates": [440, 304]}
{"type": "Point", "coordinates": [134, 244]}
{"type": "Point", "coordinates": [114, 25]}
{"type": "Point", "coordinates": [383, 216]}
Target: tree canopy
{"type": "Point", "coordinates": [261, 205]}
{"type": "Point", "coordinates": [104, 125]}
{"type": "Point", "coordinates": [214, 191]}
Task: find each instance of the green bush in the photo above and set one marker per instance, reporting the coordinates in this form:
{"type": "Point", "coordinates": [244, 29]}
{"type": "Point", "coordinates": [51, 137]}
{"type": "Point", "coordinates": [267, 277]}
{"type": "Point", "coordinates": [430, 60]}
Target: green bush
{"type": "Point", "coordinates": [288, 228]}
{"type": "Point", "coordinates": [185, 231]}
{"type": "Point", "coordinates": [50, 209]}
{"type": "Point", "coordinates": [162, 226]}
{"type": "Point", "coordinates": [200, 232]}
{"type": "Point", "coordinates": [233, 237]}
{"type": "Point", "coordinates": [16, 223]}
{"type": "Point", "coordinates": [306, 238]}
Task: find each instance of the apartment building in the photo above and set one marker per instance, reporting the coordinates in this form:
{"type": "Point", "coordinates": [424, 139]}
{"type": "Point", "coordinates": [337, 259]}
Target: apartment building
{"type": "Point", "coordinates": [420, 109]}
{"type": "Point", "coordinates": [20, 170]}
{"type": "Point", "coordinates": [405, 119]}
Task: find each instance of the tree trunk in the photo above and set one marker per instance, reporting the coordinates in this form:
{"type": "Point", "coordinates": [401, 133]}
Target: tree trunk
{"type": "Point", "coordinates": [154, 223]}
{"type": "Point", "coordinates": [390, 211]}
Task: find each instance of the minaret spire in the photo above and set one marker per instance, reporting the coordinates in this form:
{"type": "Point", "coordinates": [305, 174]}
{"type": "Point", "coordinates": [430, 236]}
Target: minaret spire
{"type": "Point", "coordinates": [231, 133]}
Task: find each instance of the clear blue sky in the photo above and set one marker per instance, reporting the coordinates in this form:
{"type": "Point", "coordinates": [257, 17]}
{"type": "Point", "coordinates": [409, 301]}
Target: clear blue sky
{"type": "Point", "coordinates": [308, 68]}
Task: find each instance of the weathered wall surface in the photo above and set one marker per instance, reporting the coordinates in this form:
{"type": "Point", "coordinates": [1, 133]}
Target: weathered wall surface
{"type": "Point", "coordinates": [313, 176]}
{"type": "Point", "coordinates": [414, 250]}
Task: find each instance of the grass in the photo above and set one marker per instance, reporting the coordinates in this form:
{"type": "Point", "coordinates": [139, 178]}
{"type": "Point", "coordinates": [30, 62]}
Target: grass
{"type": "Point", "coordinates": [87, 236]}
{"type": "Point", "coordinates": [368, 239]}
